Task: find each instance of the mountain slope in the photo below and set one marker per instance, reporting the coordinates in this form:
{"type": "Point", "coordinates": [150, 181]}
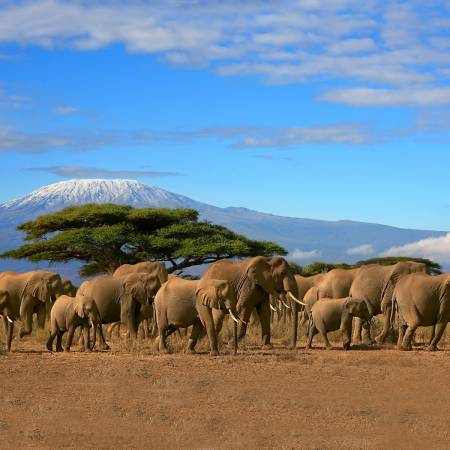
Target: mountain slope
{"type": "Point", "coordinates": [313, 239]}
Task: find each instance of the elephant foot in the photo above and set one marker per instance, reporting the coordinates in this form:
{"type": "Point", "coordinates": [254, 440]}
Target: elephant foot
{"type": "Point", "coordinates": [346, 345]}
{"type": "Point", "coordinates": [404, 348]}
{"type": "Point", "coordinates": [328, 347]}
{"type": "Point", "coordinates": [191, 351]}
{"type": "Point", "coordinates": [432, 348]}
{"type": "Point", "coordinates": [59, 349]}
{"type": "Point", "coordinates": [267, 346]}
{"type": "Point", "coordinates": [104, 347]}
{"type": "Point", "coordinates": [368, 342]}
{"type": "Point", "coordinates": [380, 339]}
{"type": "Point", "coordinates": [49, 347]}
{"type": "Point", "coordinates": [87, 350]}
{"type": "Point", "coordinates": [214, 353]}
{"type": "Point", "coordinates": [67, 349]}
{"type": "Point", "coordinates": [164, 351]}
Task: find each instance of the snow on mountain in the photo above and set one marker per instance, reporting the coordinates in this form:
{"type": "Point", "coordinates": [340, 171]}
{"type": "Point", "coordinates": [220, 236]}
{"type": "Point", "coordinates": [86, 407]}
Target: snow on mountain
{"type": "Point", "coordinates": [306, 239]}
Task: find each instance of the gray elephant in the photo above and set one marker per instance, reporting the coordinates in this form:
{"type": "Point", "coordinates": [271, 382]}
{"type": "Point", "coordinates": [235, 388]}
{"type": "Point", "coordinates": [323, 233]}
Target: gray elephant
{"type": "Point", "coordinates": [68, 288]}
{"type": "Point", "coordinates": [158, 272]}
{"type": "Point", "coordinates": [119, 299]}
{"type": "Point", "coordinates": [336, 314]}
{"type": "Point", "coordinates": [254, 280]}
{"type": "Point", "coordinates": [29, 293]}
{"type": "Point", "coordinates": [69, 313]}
{"type": "Point", "coordinates": [375, 284]}
{"type": "Point", "coordinates": [7, 310]}
{"type": "Point", "coordinates": [181, 303]}
{"type": "Point", "coordinates": [422, 300]}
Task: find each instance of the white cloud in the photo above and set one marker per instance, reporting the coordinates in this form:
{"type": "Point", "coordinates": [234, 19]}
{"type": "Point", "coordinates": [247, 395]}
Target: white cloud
{"type": "Point", "coordinates": [435, 248]}
{"type": "Point", "coordinates": [394, 44]}
{"type": "Point", "coordinates": [418, 96]}
{"type": "Point", "coordinates": [299, 254]}
{"type": "Point", "coordinates": [366, 249]}
{"type": "Point", "coordinates": [65, 110]}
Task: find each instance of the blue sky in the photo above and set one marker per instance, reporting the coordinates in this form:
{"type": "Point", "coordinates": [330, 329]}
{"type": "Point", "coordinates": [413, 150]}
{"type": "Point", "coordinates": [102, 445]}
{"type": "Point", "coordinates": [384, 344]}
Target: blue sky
{"type": "Point", "coordinates": [333, 109]}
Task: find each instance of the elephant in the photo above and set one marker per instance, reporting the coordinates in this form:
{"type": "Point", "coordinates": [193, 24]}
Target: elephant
{"type": "Point", "coordinates": [422, 300]}
{"type": "Point", "coordinates": [157, 270]}
{"type": "Point", "coordinates": [119, 299]}
{"type": "Point", "coordinates": [29, 293]}
{"type": "Point", "coordinates": [375, 284]}
{"type": "Point", "coordinates": [181, 303]}
{"type": "Point", "coordinates": [254, 280]}
{"type": "Point", "coordinates": [69, 313]}
{"type": "Point", "coordinates": [334, 284]}
{"type": "Point", "coordinates": [68, 288]}
{"type": "Point", "coordinates": [330, 314]}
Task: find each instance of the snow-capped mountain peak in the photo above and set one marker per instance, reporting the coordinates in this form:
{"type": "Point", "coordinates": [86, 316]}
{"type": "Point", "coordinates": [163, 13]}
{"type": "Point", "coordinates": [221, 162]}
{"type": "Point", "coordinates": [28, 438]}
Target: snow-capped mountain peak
{"type": "Point", "coordinates": [76, 192]}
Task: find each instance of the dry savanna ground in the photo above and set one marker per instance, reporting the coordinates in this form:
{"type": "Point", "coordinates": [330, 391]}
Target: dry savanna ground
{"type": "Point", "coordinates": [364, 398]}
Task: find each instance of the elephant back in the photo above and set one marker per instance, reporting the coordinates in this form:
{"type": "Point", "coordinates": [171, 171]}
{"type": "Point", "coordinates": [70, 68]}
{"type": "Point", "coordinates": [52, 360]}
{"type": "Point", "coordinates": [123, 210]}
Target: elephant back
{"type": "Point", "coordinates": [156, 269]}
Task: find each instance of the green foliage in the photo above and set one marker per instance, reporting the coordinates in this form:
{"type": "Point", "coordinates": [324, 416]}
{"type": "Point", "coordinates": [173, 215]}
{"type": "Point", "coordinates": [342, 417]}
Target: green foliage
{"type": "Point", "coordinates": [105, 236]}
{"type": "Point", "coordinates": [433, 267]}
{"type": "Point", "coordinates": [314, 268]}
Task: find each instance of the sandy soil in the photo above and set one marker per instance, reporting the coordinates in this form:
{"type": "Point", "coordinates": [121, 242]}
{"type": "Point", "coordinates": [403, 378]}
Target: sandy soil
{"type": "Point", "coordinates": [274, 399]}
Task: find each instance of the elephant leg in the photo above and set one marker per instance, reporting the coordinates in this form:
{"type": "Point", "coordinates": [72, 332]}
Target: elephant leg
{"type": "Point", "coordinates": [206, 317]}
{"type": "Point", "coordinates": [87, 340]}
{"type": "Point", "coordinates": [27, 320]}
{"type": "Point", "coordinates": [433, 333]}
{"type": "Point", "coordinates": [366, 333]}
{"type": "Point", "coordinates": [51, 338]}
{"type": "Point", "coordinates": [323, 332]}
{"type": "Point", "coordinates": [244, 314]}
{"type": "Point", "coordinates": [357, 334]}
{"type": "Point", "coordinates": [127, 317]}
{"type": "Point", "coordinates": [102, 343]}
{"type": "Point", "coordinates": [263, 311]}
{"type": "Point", "coordinates": [70, 333]}
{"type": "Point", "coordinates": [59, 337]}
{"type": "Point", "coordinates": [401, 334]}
{"type": "Point", "coordinates": [9, 335]}
{"type": "Point", "coordinates": [406, 345]}
{"type": "Point", "coordinates": [311, 333]}
{"type": "Point", "coordinates": [162, 343]}
{"type": "Point", "coordinates": [439, 331]}
{"type": "Point", "coordinates": [5, 326]}
{"type": "Point", "coordinates": [346, 330]}
{"type": "Point", "coordinates": [196, 331]}
{"type": "Point", "coordinates": [218, 317]}
{"type": "Point", "coordinates": [380, 339]}
{"type": "Point", "coordinates": [41, 315]}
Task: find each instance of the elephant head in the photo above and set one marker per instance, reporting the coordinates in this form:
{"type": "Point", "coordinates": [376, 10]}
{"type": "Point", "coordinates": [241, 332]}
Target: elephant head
{"type": "Point", "coordinates": [55, 283]}
{"type": "Point", "coordinates": [86, 308]}
{"type": "Point", "coordinates": [5, 305]}
{"type": "Point", "coordinates": [218, 294]}
{"type": "Point", "coordinates": [151, 286]}
{"type": "Point", "coordinates": [259, 273]}
{"type": "Point", "coordinates": [283, 277]}
{"type": "Point", "coordinates": [68, 288]}
{"type": "Point", "coordinates": [134, 288]}
{"type": "Point", "coordinates": [358, 308]}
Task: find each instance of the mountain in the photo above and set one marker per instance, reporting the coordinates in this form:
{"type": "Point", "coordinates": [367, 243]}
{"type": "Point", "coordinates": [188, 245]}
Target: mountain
{"type": "Point", "coordinates": [306, 239]}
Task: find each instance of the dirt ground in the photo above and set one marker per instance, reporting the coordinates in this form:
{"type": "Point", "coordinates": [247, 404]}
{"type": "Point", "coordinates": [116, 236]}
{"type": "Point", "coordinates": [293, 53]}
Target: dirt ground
{"type": "Point", "coordinates": [280, 399]}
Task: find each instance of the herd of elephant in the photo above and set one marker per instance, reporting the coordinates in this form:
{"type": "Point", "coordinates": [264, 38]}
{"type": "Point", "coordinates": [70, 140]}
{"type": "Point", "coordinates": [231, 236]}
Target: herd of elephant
{"type": "Point", "coordinates": [342, 299]}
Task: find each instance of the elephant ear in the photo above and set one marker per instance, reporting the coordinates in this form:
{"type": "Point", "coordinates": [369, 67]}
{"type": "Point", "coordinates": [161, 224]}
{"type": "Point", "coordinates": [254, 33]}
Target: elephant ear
{"type": "Point", "coordinates": [79, 310]}
{"type": "Point", "coordinates": [208, 297]}
{"type": "Point", "coordinates": [41, 291]}
{"type": "Point", "coordinates": [444, 292]}
{"type": "Point", "coordinates": [4, 296]}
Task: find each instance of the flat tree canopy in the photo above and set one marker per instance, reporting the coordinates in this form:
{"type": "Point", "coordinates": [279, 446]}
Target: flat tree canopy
{"type": "Point", "coordinates": [314, 268]}
{"type": "Point", "coordinates": [105, 236]}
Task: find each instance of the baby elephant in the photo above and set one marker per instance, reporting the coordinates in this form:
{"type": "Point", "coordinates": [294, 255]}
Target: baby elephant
{"type": "Point", "coordinates": [336, 314]}
{"type": "Point", "coordinates": [67, 314]}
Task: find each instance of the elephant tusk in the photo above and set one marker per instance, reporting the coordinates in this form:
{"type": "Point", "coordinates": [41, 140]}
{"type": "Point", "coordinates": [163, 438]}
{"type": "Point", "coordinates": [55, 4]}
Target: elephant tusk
{"type": "Point", "coordinates": [272, 308]}
{"type": "Point", "coordinates": [91, 323]}
{"type": "Point", "coordinates": [296, 299]}
{"type": "Point", "coordinates": [285, 305]}
{"type": "Point", "coordinates": [233, 316]}
{"type": "Point", "coordinates": [9, 319]}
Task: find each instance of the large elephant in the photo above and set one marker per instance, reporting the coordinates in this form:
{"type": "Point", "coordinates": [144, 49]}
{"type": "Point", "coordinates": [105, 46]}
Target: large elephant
{"type": "Point", "coordinates": [158, 272]}
{"type": "Point", "coordinates": [375, 284]}
{"type": "Point", "coordinates": [181, 303]}
{"type": "Point", "coordinates": [119, 299]}
{"type": "Point", "coordinates": [254, 280]}
{"type": "Point", "coordinates": [69, 313]}
{"type": "Point", "coordinates": [422, 300]}
{"type": "Point", "coordinates": [331, 314]}
{"type": "Point", "coordinates": [29, 293]}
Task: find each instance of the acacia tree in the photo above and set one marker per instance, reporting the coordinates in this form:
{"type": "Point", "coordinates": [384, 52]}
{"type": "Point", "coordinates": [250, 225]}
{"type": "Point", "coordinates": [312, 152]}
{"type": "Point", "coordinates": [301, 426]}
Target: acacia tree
{"type": "Point", "coordinates": [105, 236]}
